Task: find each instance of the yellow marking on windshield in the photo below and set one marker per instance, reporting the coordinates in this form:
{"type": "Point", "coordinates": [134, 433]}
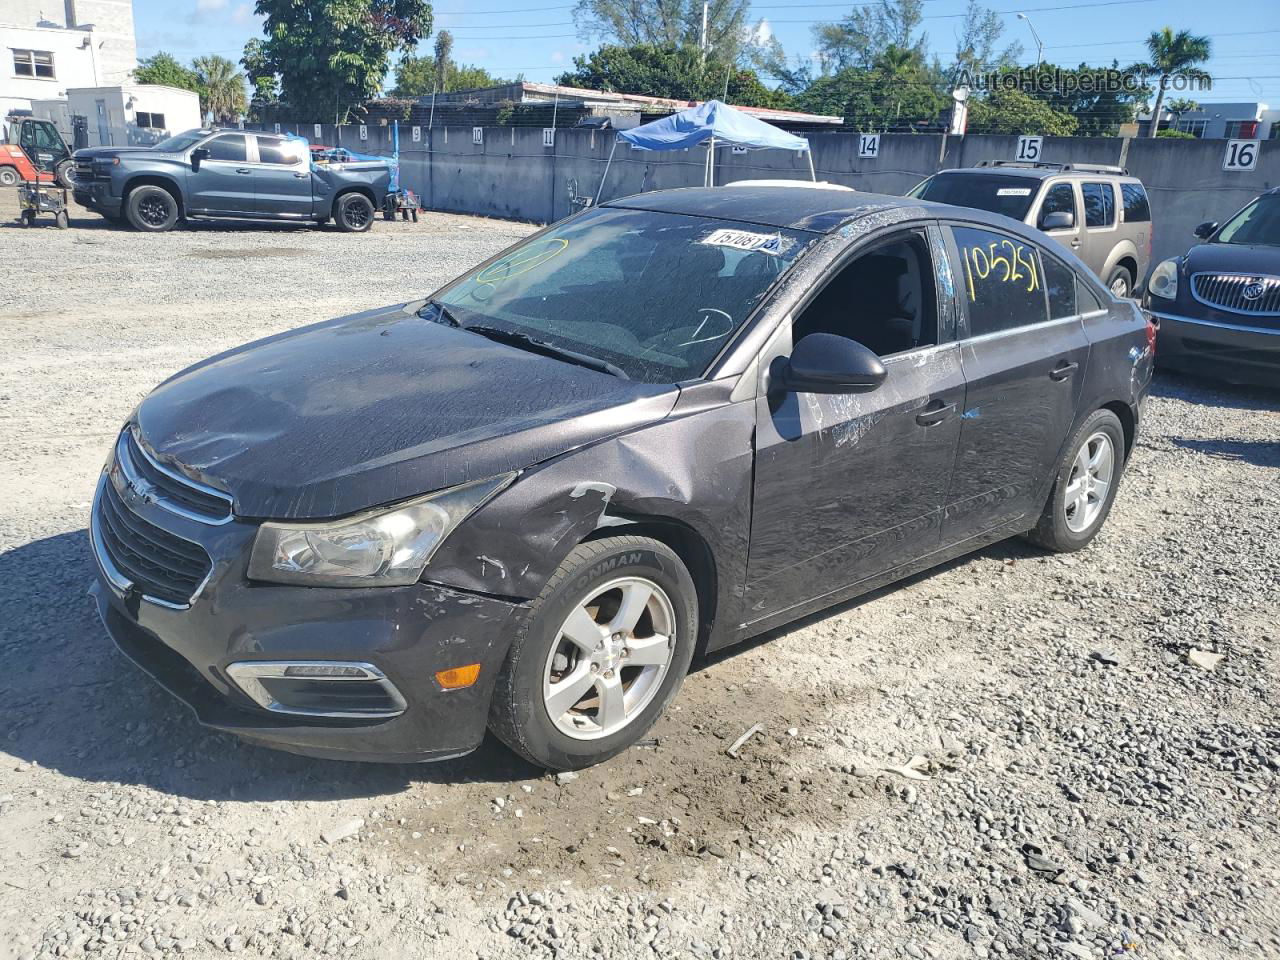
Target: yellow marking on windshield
{"type": "Point", "coordinates": [522, 261]}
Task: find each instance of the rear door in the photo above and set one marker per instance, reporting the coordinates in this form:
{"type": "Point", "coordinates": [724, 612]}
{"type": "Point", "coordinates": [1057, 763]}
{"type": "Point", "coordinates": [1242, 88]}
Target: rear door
{"type": "Point", "coordinates": [282, 178]}
{"type": "Point", "coordinates": [1023, 367]}
{"type": "Point", "coordinates": [224, 182]}
{"type": "Point", "coordinates": [1101, 223]}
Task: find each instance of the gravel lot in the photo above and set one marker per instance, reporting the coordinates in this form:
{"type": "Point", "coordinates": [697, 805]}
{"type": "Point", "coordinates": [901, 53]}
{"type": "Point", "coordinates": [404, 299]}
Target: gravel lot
{"type": "Point", "coordinates": [1013, 756]}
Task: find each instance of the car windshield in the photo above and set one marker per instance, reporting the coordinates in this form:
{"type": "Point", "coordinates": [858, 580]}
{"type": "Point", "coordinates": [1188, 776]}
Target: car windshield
{"type": "Point", "coordinates": [996, 192]}
{"type": "Point", "coordinates": [655, 295]}
{"type": "Point", "coordinates": [180, 141]}
{"type": "Point", "coordinates": [1258, 223]}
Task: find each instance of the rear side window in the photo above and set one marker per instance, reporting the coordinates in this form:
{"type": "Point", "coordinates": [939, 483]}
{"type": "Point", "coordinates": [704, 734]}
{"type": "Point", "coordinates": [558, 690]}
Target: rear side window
{"type": "Point", "coordinates": [1136, 207]}
{"type": "Point", "coordinates": [1099, 204]}
{"type": "Point", "coordinates": [1060, 198]}
{"type": "Point", "coordinates": [1060, 283]}
{"type": "Point", "coordinates": [230, 147]}
{"type": "Point", "coordinates": [1003, 288]}
{"type": "Point", "coordinates": [287, 152]}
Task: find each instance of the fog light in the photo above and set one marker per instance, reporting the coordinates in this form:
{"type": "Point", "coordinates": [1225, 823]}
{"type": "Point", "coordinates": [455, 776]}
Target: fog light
{"type": "Point", "coordinates": [318, 688]}
{"type": "Point", "coordinates": [456, 678]}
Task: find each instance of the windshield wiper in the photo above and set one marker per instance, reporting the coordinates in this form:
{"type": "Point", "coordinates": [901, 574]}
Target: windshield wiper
{"type": "Point", "coordinates": [445, 315]}
{"type": "Point", "coordinates": [534, 345]}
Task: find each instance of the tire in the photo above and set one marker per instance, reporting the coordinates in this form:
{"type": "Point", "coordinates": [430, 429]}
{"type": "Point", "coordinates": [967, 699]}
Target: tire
{"type": "Point", "coordinates": [28, 218]}
{"type": "Point", "coordinates": [1120, 283]}
{"type": "Point", "coordinates": [607, 570]}
{"type": "Point", "coordinates": [8, 177]}
{"type": "Point", "coordinates": [62, 220]}
{"type": "Point", "coordinates": [1069, 522]}
{"type": "Point", "coordinates": [65, 173]}
{"type": "Point", "coordinates": [354, 213]}
{"type": "Point", "coordinates": [151, 209]}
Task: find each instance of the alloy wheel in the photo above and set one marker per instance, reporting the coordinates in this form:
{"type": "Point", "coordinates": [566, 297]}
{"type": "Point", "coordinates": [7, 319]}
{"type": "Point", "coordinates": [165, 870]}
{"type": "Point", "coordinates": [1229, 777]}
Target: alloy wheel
{"type": "Point", "coordinates": [1089, 482]}
{"type": "Point", "coordinates": [154, 211]}
{"type": "Point", "coordinates": [1120, 287]}
{"type": "Point", "coordinates": [609, 658]}
{"type": "Point", "coordinates": [357, 215]}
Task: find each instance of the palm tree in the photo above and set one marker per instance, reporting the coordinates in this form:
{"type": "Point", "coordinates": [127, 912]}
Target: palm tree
{"type": "Point", "coordinates": [899, 68]}
{"type": "Point", "coordinates": [222, 87]}
{"type": "Point", "coordinates": [1171, 53]}
{"type": "Point", "coordinates": [1179, 107]}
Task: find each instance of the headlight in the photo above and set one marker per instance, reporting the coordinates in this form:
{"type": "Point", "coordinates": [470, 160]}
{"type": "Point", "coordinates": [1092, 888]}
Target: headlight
{"type": "Point", "coordinates": [382, 548]}
{"type": "Point", "coordinates": [1164, 280]}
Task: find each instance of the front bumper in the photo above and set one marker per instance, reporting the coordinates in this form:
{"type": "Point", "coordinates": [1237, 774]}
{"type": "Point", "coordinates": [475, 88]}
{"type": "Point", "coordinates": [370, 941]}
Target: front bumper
{"type": "Point", "coordinates": [96, 195]}
{"type": "Point", "coordinates": [1238, 352]}
{"type": "Point", "coordinates": [408, 633]}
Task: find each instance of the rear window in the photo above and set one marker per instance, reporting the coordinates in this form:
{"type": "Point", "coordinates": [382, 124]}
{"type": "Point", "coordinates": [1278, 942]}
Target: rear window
{"type": "Point", "coordinates": [982, 191]}
{"type": "Point", "coordinates": [1099, 204]}
{"type": "Point", "coordinates": [1136, 207]}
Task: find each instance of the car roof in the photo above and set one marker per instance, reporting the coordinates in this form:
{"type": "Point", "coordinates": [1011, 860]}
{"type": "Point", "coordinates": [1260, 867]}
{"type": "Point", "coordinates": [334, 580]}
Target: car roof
{"type": "Point", "coordinates": [1043, 172]}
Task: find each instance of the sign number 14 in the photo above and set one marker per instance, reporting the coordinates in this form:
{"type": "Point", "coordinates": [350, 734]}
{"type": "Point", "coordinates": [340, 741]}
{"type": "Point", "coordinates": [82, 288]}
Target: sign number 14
{"type": "Point", "coordinates": [868, 145]}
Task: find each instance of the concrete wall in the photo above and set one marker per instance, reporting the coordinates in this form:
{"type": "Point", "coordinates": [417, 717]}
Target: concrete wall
{"type": "Point", "coordinates": [512, 175]}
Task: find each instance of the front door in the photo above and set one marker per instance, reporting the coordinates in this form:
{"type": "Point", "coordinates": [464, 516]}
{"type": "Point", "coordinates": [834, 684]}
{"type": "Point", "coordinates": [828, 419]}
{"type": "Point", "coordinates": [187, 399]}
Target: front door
{"type": "Point", "coordinates": [282, 178]}
{"type": "Point", "coordinates": [224, 182]}
{"type": "Point", "coordinates": [1061, 198]}
{"type": "Point", "coordinates": [849, 486]}
{"type": "Point", "coordinates": [1023, 368]}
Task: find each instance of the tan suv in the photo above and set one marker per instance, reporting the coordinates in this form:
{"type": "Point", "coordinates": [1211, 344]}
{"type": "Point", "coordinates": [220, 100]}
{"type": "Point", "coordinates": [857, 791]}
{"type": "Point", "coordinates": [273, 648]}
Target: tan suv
{"type": "Point", "coordinates": [1099, 212]}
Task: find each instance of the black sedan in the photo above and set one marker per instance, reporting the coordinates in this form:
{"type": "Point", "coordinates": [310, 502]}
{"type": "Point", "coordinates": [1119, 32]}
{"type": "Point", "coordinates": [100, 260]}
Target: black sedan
{"type": "Point", "coordinates": [1219, 304]}
{"type": "Point", "coordinates": [656, 428]}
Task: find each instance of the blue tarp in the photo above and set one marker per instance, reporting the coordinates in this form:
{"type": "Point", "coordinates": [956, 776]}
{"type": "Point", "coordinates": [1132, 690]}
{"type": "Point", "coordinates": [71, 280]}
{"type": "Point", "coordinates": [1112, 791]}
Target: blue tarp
{"type": "Point", "coordinates": [712, 119]}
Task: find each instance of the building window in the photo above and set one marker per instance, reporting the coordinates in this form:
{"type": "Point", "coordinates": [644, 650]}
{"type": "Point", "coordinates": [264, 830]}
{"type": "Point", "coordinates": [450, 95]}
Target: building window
{"type": "Point", "coordinates": [33, 63]}
{"type": "Point", "coordinates": [1194, 127]}
{"type": "Point", "coordinates": [152, 121]}
{"type": "Point", "coordinates": [1241, 130]}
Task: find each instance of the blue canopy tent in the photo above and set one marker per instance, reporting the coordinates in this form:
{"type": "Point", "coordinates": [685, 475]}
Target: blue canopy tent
{"type": "Point", "coordinates": [707, 123]}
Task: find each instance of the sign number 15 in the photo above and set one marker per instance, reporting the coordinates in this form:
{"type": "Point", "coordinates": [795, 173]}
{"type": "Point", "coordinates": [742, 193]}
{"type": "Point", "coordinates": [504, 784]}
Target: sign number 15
{"type": "Point", "coordinates": [1029, 149]}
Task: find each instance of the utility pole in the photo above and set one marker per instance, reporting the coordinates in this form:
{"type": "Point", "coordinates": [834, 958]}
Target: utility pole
{"type": "Point", "coordinates": [702, 42]}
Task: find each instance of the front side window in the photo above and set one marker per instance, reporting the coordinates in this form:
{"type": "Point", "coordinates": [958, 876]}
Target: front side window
{"type": "Point", "coordinates": [37, 64]}
{"type": "Point", "coordinates": [996, 192]}
{"type": "Point", "coordinates": [1257, 223]}
{"type": "Point", "coordinates": [1059, 198]}
{"type": "Point", "coordinates": [1099, 204]}
{"type": "Point", "coordinates": [1003, 288]}
{"type": "Point", "coordinates": [884, 299]}
{"type": "Point", "coordinates": [1137, 208]}
{"type": "Point", "coordinates": [656, 295]}
{"type": "Point", "coordinates": [230, 147]}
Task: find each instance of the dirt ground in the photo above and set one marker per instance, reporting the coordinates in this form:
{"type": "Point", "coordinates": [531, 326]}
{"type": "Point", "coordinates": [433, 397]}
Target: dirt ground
{"type": "Point", "coordinates": [1013, 755]}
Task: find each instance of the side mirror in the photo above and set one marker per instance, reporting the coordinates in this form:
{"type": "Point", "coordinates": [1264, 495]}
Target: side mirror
{"type": "Point", "coordinates": [1206, 229]}
{"type": "Point", "coordinates": [826, 363]}
{"type": "Point", "coordinates": [1058, 220]}
{"type": "Point", "coordinates": [198, 156]}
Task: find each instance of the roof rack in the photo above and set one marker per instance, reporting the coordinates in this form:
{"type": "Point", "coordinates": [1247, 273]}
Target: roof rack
{"type": "Point", "coordinates": [1042, 165]}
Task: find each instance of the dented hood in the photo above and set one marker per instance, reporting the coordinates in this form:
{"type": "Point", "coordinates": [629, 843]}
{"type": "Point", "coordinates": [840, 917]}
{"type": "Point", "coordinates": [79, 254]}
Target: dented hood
{"type": "Point", "coordinates": [370, 409]}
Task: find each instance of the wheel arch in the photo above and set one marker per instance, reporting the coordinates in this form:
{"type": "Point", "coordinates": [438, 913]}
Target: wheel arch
{"type": "Point", "coordinates": [1124, 413]}
{"type": "Point", "coordinates": [687, 544]}
{"type": "Point", "coordinates": [361, 189]}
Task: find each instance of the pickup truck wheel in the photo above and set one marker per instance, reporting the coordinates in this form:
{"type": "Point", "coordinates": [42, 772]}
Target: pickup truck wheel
{"type": "Point", "coordinates": [8, 177]}
{"type": "Point", "coordinates": [354, 213]}
{"type": "Point", "coordinates": [152, 209]}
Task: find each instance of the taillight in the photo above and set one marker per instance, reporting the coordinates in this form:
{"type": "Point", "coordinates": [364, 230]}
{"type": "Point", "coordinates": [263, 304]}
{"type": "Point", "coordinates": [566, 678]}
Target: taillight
{"type": "Point", "coordinates": [1152, 329]}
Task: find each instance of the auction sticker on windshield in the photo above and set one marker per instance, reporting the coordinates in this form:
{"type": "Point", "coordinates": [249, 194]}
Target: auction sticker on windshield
{"type": "Point", "coordinates": [770, 243]}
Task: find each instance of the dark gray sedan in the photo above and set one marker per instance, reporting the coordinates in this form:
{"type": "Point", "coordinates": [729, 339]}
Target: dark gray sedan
{"type": "Point", "coordinates": [656, 428]}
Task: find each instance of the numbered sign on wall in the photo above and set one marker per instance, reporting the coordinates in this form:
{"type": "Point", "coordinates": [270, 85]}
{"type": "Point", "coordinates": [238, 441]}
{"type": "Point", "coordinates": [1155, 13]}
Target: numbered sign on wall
{"type": "Point", "coordinates": [1029, 149]}
{"type": "Point", "coordinates": [477, 134]}
{"type": "Point", "coordinates": [868, 145]}
{"type": "Point", "coordinates": [319, 133]}
{"type": "Point", "coordinates": [1241, 155]}
{"type": "Point", "coordinates": [417, 134]}
{"type": "Point", "coordinates": [548, 136]}
{"type": "Point", "coordinates": [277, 128]}
{"type": "Point", "coordinates": [364, 132]}
{"type": "Point", "coordinates": [739, 151]}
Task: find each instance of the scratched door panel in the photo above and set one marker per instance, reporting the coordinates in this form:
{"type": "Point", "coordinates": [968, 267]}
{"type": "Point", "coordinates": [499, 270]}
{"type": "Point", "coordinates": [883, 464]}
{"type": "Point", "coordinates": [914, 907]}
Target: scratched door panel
{"type": "Point", "coordinates": [1023, 373]}
{"type": "Point", "coordinates": [848, 486]}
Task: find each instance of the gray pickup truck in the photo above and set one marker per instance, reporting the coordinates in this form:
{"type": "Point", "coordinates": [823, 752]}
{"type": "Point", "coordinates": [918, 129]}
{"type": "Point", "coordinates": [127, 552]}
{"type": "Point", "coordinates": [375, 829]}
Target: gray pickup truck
{"type": "Point", "coordinates": [228, 174]}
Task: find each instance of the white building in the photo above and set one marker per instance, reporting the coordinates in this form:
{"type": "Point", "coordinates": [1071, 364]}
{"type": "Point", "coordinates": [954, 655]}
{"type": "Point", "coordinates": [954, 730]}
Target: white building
{"type": "Point", "coordinates": [50, 46]}
{"type": "Point", "coordinates": [1249, 120]}
{"type": "Point", "coordinates": [129, 115]}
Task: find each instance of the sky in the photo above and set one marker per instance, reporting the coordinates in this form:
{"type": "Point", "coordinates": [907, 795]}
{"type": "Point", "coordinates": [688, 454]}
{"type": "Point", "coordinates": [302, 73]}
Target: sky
{"type": "Point", "coordinates": [538, 38]}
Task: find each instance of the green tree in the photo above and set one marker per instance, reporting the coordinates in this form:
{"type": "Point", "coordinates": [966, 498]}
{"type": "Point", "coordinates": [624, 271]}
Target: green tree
{"type": "Point", "coordinates": [1013, 111]}
{"type": "Point", "coordinates": [163, 68]}
{"type": "Point", "coordinates": [679, 72]}
{"type": "Point", "coordinates": [897, 92]}
{"type": "Point", "coordinates": [859, 38]}
{"type": "Point", "coordinates": [443, 53]}
{"type": "Point", "coordinates": [1180, 106]}
{"type": "Point", "coordinates": [416, 77]}
{"type": "Point", "coordinates": [1090, 94]}
{"type": "Point", "coordinates": [1173, 53]}
{"type": "Point", "coordinates": [265, 86]}
{"type": "Point", "coordinates": [666, 23]}
{"type": "Point", "coordinates": [978, 41]}
{"type": "Point", "coordinates": [222, 89]}
{"type": "Point", "coordinates": [331, 55]}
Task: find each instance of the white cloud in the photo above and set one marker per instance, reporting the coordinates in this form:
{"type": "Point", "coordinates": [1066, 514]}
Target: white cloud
{"type": "Point", "coordinates": [557, 56]}
{"type": "Point", "coordinates": [761, 33]}
{"type": "Point", "coordinates": [210, 6]}
{"type": "Point", "coordinates": [242, 14]}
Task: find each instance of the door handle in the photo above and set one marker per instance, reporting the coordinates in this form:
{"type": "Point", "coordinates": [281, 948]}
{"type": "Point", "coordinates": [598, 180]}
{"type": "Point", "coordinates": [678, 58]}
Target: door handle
{"type": "Point", "coordinates": [1063, 370]}
{"type": "Point", "coordinates": [301, 176]}
{"type": "Point", "coordinates": [936, 412]}
{"type": "Point", "coordinates": [1075, 241]}
{"type": "Point", "coordinates": [243, 170]}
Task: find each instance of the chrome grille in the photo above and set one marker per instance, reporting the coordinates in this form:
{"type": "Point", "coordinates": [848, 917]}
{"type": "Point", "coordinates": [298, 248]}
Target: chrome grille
{"type": "Point", "coordinates": [138, 555]}
{"type": "Point", "coordinates": [171, 490]}
{"type": "Point", "coordinates": [1227, 291]}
